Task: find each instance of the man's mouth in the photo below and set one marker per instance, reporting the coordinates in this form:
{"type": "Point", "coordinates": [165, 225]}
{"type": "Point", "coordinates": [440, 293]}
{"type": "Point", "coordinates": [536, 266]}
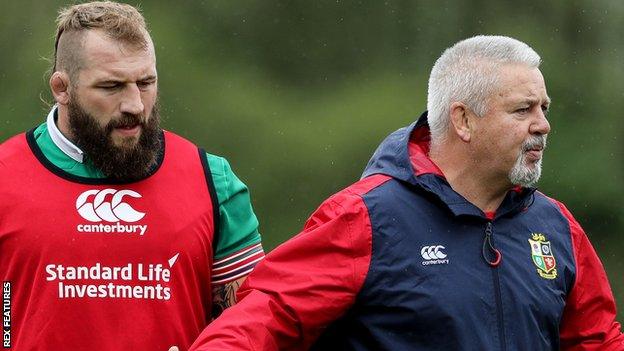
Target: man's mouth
{"type": "Point", "coordinates": [534, 153]}
{"type": "Point", "coordinates": [128, 129]}
{"type": "Point", "coordinates": [533, 148]}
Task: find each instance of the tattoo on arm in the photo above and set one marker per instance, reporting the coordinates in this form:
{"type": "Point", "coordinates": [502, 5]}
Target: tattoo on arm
{"type": "Point", "coordinates": [224, 296]}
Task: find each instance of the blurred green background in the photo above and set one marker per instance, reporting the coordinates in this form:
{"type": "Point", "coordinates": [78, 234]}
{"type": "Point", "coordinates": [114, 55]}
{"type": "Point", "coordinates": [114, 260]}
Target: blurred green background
{"type": "Point", "coordinates": [297, 94]}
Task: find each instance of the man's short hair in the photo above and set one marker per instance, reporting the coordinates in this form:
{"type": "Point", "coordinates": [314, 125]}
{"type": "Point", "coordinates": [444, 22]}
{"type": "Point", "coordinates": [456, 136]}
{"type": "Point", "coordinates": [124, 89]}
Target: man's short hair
{"type": "Point", "coordinates": [121, 22]}
{"type": "Point", "coordinates": [468, 72]}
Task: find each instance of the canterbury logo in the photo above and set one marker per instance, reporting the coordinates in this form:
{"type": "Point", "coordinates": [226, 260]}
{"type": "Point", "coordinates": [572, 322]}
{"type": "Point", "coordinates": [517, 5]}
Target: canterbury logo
{"type": "Point", "coordinates": [105, 208]}
{"type": "Point", "coordinates": [433, 252]}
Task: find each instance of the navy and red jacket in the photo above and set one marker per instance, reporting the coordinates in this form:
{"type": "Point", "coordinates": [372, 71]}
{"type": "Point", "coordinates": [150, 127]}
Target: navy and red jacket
{"type": "Point", "coordinates": [400, 261]}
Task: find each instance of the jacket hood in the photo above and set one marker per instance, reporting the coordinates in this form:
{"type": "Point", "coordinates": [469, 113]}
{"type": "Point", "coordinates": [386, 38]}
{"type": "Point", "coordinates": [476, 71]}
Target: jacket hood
{"type": "Point", "coordinates": [403, 155]}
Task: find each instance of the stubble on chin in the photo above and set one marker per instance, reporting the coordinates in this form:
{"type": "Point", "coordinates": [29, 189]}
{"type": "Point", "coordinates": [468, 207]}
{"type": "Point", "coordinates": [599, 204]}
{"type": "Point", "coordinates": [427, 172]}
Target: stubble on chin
{"type": "Point", "coordinates": [524, 172]}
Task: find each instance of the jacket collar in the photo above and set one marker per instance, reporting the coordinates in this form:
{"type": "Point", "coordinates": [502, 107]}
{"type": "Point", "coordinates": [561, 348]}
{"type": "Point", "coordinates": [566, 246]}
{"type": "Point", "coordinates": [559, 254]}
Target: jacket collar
{"type": "Point", "coordinates": [403, 155]}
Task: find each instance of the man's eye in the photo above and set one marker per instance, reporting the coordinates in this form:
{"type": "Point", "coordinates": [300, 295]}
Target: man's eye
{"type": "Point", "coordinates": [110, 86]}
{"type": "Point", "coordinates": [523, 110]}
{"type": "Point", "coordinates": [545, 109]}
{"type": "Point", "coordinates": [143, 85]}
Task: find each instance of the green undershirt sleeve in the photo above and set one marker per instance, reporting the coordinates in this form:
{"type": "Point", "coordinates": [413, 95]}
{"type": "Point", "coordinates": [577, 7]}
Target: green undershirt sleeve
{"type": "Point", "coordinates": [238, 223]}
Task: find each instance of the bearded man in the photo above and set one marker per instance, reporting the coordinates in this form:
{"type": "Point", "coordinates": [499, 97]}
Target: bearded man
{"type": "Point", "coordinates": [115, 234]}
{"type": "Point", "coordinates": [443, 244]}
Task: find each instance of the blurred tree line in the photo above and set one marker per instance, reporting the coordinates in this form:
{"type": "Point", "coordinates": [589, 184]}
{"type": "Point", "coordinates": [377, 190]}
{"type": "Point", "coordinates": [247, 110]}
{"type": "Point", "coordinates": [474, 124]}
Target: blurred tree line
{"type": "Point", "coordinates": [297, 94]}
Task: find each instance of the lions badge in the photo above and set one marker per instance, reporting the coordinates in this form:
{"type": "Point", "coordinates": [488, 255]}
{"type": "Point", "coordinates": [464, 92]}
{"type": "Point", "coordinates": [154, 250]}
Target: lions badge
{"type": "Point", "coordinates": [543, 257]}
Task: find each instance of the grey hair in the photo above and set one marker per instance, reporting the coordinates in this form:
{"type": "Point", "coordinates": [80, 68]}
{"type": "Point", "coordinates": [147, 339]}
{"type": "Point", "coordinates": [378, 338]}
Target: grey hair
{"type": "Point", "coordinates": [468, 72]}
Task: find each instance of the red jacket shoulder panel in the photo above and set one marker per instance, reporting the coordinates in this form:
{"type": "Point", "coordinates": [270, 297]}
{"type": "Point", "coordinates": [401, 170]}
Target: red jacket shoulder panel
{"type": "Point", "coordinates": [305, 283]}
{"type": "Point", "coordinates": [588, 321]}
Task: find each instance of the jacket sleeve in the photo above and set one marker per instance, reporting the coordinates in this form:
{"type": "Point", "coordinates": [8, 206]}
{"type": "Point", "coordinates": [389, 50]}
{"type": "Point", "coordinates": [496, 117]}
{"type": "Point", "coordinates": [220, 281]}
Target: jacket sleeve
{"type": "Point", "coordinates": [588, 321]}
{"type": "Point", "coordinates": [301, 286]}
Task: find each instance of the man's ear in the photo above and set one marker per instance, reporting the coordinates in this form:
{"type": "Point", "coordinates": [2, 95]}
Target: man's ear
{"type": "Point", "coordinates": [460, 122]}
{"type": "Point", "coordinates": [59, 84]}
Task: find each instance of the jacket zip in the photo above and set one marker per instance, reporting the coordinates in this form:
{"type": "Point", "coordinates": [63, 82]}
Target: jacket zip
{"type": "Point", "coordinates": [497, 288]}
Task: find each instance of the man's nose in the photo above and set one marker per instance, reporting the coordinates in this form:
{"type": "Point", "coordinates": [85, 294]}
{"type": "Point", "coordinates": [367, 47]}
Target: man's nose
{"type": "Point", "coordinates": [132, 102]}
{"type": "Point", "coordinates": [541, 124]}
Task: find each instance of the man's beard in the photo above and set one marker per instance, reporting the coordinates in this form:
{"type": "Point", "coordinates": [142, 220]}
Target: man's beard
{"type": "Point", "coordinates": [522, 174]}
{"type": "Point", "coordinates": [125, 162]}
